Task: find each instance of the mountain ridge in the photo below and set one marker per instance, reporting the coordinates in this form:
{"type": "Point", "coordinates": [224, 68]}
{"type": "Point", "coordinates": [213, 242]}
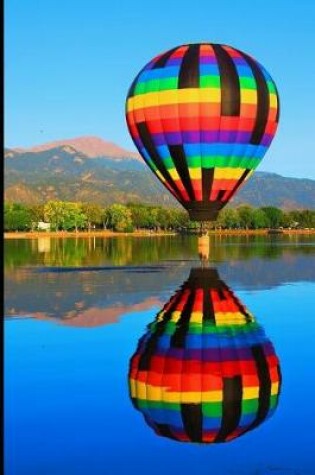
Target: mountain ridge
{"type": "Point", "coordinates": [91, 146]}
{"type": "Point", "coordinates": [65, 173]}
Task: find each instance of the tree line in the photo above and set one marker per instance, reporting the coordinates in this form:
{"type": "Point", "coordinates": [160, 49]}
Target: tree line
{"type": "Point", "coordinates": [68, 216]}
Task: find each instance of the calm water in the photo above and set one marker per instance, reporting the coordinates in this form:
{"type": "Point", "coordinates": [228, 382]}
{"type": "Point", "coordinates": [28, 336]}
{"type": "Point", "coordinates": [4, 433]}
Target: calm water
{"type": "Point", "coordinates": [117, 351]}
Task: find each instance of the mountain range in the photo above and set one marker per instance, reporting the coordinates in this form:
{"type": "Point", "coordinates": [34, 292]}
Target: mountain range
{"type": "Point", "coordinates": [89, 169]}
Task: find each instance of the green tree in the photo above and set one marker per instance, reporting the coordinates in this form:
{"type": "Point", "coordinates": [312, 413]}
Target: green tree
{"type": "Point", "coordinates": [307, 218]}
{"type": "Point", "coordinates": [274, 216]}
{"type": "Point", "coordinates": [119, 218]}
{"type": "Point", "coordinates": [74, 217]}
{"type": "Point", "coordinates": [293, 218]}
{"type": "Point", "coordinates": [259, 219]}
{"type": "Point", "coordinates": [17, 217]}
{"type": "Point", "coordinates": [37, 213]}
{"type": "Point", "coordinates": [55, 213]}
{"type": "Point", "coordinates": [180, 219]}
{"type": "Point", "coordinates": [229, 218]}
{"type": "Point", "coordinates": [245, 214]}
{"type": "Point", "coordinates": [93, 213]}
{"type": "Point", "coordinates": [140, 215]}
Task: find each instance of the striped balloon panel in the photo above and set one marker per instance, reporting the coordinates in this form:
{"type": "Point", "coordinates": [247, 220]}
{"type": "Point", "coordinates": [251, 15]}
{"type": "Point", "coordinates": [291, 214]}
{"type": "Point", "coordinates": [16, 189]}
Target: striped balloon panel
{"type": "Point", "coordinates": [193, 383]}
{"type": "Point", "coordinates": [202, 116]}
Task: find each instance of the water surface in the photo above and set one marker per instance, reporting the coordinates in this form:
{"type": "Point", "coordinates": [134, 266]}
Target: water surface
{"type": "Point", "coordinates": [75, 311]}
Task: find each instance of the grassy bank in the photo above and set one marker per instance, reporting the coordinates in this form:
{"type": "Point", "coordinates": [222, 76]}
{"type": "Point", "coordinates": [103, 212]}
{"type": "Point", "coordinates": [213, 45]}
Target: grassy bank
{"type": "Point", "coordinates": [142, 233]}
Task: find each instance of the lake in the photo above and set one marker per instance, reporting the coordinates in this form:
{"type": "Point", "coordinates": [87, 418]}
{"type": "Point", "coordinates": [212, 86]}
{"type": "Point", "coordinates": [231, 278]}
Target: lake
{"type": "Point", "coordinates": [128, 355]}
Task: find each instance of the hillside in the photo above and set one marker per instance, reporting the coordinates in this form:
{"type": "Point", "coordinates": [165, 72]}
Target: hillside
{"type": "Point", "coordinates": [90, 146]}
{"type": "Point", "coordinates": [64, 172]}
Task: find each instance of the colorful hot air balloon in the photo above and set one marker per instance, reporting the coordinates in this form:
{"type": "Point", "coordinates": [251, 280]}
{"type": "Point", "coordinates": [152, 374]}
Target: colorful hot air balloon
{"type": "Point", "coordinates": [202, 116]}
{"type": "Point", "coordinates": [204, 371]}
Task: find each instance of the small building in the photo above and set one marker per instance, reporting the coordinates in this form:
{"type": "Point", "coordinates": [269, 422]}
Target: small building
{"type": "Point", "coordinates": [42, 226]}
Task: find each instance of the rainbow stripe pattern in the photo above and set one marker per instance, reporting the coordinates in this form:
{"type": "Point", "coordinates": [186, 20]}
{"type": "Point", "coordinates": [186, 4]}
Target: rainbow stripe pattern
{"type": "Point", "coordinates": [202, 116]}
{"type": "Point", "coordinates": [204, 371]}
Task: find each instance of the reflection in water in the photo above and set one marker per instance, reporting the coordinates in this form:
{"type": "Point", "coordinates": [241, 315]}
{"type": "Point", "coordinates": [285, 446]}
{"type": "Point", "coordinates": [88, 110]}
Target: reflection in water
{"type": "Point", "coordinates": [203, 248]}
{"type": "Point", "coordinates": [44, 244]}
{"type": "Point", "coordinates": [205, 370]}
{"type": "Point", "coordinates": [138, 251]}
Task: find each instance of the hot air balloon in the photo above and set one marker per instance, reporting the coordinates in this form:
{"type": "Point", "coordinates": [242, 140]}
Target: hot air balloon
{"type": "Point", "coordinates": [205, 371]}
{"type": "Point", "coordinates": [203, 116]}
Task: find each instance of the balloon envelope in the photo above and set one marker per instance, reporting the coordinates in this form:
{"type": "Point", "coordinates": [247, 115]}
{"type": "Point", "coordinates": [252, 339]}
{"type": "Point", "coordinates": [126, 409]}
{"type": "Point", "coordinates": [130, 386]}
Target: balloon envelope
{"type": "Point", "coordinates": [204, 371]}
{"type": "Point", "coordinates": [202, 116]}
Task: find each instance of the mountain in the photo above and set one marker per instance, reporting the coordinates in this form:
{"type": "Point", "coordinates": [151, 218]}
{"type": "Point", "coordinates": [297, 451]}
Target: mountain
{"type": "Point", "coordinates": [61, 171]}
{"type": "Point", "coordinates": [89, 146]}
{"type": "Point", "coordinates": [65, 173]}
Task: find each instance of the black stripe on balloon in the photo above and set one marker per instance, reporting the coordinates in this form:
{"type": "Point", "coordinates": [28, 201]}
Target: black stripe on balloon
{"type": "Point", "coordinates": [189, 71]}
{"type": "Point", "coordinates": [148, 143]}
{"type": "Point", "coordinates": [180, 162]}
{"type": "Point", "coordinates": [231, 407]}
{"type": "Point", "coordinates": [151, 344]}
{"type": "Point", "coordinates": [164, 430]}
{"type": "Point", "coordinates": [178, 338]}
{"type": "Point", "coordinates": [279, 378]}
{"type": "Point", "coordinates": [240, 307]}
{"type": "Point", "coordinates": [280, 383]}
{"type": "Point", "coordinates": [264, 384]}
{"type": "Point", "coordinates": [134, 401]}
{"type": "Point", "coordinates": [278, 106]}
{"type": "Point", "coordinates": [192, 421]}
{"type": "Point", "coordinates": [221, 294]}
{"type": "Point", "coordinates": [262, 101]}
{"type": "Point", "coordinates": [131, 90]}
{"type": "Point", "coordinates": [208, 310]}
{"type": "Point", "coordinates": [161, 62]}
{"type": "Point", "coordinates": [220, 195]}
{"type": "Point", "coordinates": [230, 84]}
{"type": "Point", "coordinates": [207, 176]}
{"type": "Point", "coordinates": [238, 184]}
{"type": "Point", "coordinates": [203, 278]}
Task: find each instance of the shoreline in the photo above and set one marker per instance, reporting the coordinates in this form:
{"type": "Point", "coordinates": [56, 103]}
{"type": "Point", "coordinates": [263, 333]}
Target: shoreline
{"type": "Point", "coordinates": [105, 234]}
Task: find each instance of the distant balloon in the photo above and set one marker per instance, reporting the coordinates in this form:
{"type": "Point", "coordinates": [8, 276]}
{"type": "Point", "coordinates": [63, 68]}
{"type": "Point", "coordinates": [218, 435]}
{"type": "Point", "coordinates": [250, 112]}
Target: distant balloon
{"type": "Point", "coordinates": [202, 116]}
{"type": "Point", "coordinates": [204, 371]}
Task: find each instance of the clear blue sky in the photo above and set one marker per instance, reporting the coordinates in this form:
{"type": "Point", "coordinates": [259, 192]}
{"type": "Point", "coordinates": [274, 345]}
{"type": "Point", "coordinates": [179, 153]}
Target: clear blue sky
{"type": "Point", "coordinates": [69, 64]}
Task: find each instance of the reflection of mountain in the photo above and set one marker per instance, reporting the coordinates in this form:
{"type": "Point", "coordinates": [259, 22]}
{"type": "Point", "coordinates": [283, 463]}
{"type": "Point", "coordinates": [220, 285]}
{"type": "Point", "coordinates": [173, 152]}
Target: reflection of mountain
{"type": "Point", "coordinates": [84, 298]}
{"type": "Point", "coordinates": [95, 316]}
{"type": "Point", "coordinates": [93, 281]}
{"type": "Point", "coordinates": [264, 274]}
{"type": "Point", "coordinates": [204, 371]}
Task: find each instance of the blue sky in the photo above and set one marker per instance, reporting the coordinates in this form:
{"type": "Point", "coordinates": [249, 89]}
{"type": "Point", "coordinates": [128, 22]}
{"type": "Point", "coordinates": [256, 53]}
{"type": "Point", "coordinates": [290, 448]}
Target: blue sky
{"type": "Point", "coordinates": [69, 64]}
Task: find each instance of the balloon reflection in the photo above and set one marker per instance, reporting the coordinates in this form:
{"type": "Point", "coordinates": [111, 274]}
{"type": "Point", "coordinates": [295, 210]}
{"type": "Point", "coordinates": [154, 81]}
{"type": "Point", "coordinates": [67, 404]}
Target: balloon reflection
{"type": "Point", "coordinates": [204, 371]}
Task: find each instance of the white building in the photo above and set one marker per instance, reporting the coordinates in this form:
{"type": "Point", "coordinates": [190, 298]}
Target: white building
{"type": "Point", "coordinates": [41, 226]}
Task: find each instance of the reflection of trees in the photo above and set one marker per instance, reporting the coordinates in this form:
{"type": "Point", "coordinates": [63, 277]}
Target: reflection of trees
{"type": "Point", "coordinates": [20, 252]}
{"type": "Point", "coordinates": [65, 252]}
{"type": "Point", "coordinates": [131, 250]}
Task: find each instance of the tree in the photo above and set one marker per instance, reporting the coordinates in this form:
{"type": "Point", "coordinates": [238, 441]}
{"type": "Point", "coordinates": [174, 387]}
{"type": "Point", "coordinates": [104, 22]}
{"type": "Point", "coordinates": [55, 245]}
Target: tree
{"type": "Point", "coordinates": [307, 218]}
{"type": "Point", "coordinates": [230, 218]}
{"type": "Point", "coordinates": [140, 215]}
{"type": "Point", "coordinates": [74, 217]}
{"type": "Point", "coordinates": [274, 216]}
{"type": "Point", "coordinates": [119, 218]}
{"type": "Point", "coordinates": [93, 213]}
{"type": "Point", "coordinates": [37, 213]}
{"type": "Point", "coordinates": [245, 216]}
{"type": "Point", "coordinates": [55, 214]}
{"type": "Point", "coordinates": [259, 219]}
{"type": "Point", "coordinates": [17, 217]}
